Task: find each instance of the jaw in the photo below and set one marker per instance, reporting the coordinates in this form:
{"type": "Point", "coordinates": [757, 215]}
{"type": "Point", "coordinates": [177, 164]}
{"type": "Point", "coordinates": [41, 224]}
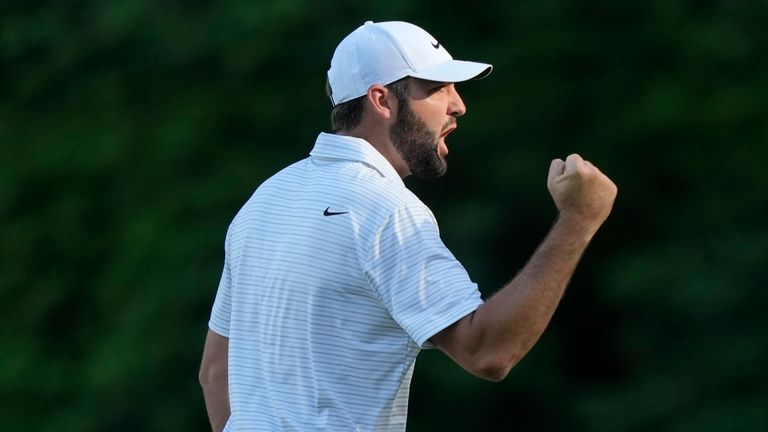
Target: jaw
{"type": "Point", "coordinates": [442, 148]}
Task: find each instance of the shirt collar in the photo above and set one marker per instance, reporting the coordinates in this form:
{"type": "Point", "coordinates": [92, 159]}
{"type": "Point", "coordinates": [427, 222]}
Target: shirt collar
{"type": "Point", "coordinates": [339, 147]}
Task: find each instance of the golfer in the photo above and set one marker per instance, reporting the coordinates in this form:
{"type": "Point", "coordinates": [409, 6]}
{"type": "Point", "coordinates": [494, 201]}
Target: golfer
{"type": "Point", "coordinates": [335, 276]}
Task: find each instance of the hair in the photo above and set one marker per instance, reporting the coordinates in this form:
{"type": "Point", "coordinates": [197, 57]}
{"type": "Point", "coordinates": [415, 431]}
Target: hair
{"type": "Point", "coordinates": [347, 115]}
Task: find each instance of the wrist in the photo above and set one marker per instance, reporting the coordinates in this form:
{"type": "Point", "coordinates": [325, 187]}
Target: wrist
{"type": "Point", "coordinates": [577, 225]}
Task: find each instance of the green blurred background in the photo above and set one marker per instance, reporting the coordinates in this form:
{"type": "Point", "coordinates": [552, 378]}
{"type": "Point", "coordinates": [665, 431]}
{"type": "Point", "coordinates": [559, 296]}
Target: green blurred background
{"type": "Point", "coordinates": [132, 131]}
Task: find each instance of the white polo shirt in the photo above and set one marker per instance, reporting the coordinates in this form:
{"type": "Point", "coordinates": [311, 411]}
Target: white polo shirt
{"type": "Point", "coordinates": [335, 277]}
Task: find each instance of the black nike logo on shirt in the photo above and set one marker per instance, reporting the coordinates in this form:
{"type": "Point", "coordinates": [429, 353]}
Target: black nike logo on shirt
{"type": "Point", "coordinates": [436, 45]}
{"type": "Point", "coordinates": [330, 213]}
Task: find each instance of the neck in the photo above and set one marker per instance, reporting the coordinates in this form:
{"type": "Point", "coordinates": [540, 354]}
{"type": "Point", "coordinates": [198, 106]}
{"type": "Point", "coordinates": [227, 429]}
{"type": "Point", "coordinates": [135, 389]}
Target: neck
{"type": "Point", "coordinates": [382, 143]}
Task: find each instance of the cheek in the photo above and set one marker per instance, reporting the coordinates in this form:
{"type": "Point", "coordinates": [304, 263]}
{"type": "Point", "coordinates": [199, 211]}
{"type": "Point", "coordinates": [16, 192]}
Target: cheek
{"type": "Point", "coordinates": [435, 122]}
{"type": "Point", "coordinates": [433, 114]}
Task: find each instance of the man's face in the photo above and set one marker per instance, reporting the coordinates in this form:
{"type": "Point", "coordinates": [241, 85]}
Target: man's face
{"type": "Point", "coordinates": [419, 131]}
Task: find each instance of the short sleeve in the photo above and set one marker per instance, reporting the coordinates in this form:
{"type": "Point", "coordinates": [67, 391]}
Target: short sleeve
{"type": "Point", "coordinates": [222, 306]}
{"type": "Point", "coordinates": [419, 281]}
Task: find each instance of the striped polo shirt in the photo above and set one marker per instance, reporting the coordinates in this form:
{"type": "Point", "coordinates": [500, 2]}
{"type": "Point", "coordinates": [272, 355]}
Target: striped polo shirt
{"type": "Point", "coordinates": [334, 278]}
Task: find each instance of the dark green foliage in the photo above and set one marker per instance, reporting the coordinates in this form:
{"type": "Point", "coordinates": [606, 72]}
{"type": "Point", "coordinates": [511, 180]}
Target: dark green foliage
{"type": "Point", "coordinates": [132, 131]}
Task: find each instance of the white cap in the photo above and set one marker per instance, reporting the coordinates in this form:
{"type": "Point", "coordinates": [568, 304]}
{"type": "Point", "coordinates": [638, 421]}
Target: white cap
{"type": "Point", "coordinates": [382, 53]}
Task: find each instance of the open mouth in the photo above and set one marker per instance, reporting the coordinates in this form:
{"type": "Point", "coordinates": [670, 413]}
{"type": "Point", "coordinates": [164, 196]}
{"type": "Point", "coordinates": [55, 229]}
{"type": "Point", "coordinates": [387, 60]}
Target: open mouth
{"type": "Point", "coordinates": [442, 148]}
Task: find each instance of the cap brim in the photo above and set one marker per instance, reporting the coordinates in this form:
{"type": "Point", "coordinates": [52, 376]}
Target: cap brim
{"type": "Point", "coordinates": [455, 71]}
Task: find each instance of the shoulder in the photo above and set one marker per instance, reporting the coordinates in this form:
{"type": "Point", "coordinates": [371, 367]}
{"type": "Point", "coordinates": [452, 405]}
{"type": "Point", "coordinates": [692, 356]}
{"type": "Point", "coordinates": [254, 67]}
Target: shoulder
{"type": "Point", "coordinates": [382, 198]}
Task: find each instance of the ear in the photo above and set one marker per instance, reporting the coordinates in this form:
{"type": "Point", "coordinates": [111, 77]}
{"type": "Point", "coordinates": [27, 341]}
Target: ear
{"type": "Point", "coordinates": [381, 102]}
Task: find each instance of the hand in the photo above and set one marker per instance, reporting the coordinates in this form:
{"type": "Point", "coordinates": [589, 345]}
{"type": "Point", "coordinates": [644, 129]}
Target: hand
{"type": "Point", "coordinates": [580, 190]}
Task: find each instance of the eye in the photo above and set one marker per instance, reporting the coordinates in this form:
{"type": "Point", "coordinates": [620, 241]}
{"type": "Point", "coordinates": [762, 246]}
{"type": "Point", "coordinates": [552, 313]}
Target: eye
{"type": "Point", "coordinates": [437, 88]}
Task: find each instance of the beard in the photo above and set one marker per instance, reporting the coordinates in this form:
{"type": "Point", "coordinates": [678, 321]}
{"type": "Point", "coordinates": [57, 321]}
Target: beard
{"type": "Point", "coordinates": [417, 144]}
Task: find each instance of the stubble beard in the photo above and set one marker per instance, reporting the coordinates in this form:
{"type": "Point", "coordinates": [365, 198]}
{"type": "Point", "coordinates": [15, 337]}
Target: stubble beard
{"type": "Point", "coordinates": [417, 144]}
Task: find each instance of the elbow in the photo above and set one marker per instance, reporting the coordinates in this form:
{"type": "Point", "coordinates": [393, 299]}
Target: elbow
{"type": "Point", "coordinates": [496, 367]}
{"type": "Point", "coordinates": [213, 367]}
{"type": "Point", "coordinates": [204, 377]}
{"type": "Point", "coordinates": [209, 375]}
{"type": "Point", "coordinates": [493, 372]}
{"type": "Point", "coordinates": [496, 374]}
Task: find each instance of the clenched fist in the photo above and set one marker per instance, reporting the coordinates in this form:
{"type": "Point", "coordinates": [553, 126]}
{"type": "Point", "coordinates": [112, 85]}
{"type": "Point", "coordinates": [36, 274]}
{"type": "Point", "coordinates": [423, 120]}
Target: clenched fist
{"type": "Point", "coordinates": [580, 190]}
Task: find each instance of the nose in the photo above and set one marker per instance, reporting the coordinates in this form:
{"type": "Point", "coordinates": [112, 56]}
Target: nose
{"type": "Point", "coordinates": [456, 106]}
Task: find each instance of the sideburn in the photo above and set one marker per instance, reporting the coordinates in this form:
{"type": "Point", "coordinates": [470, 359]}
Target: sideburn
{"type": "Point", "coordinates": [416, 144]}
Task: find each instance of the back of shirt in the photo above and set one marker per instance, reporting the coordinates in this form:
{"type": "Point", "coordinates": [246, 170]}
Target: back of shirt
{"type": "Point", "coordinates": [327, 296]}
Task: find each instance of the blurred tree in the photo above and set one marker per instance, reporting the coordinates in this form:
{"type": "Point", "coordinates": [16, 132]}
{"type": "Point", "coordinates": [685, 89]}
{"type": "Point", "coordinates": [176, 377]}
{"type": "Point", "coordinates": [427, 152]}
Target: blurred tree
{"type": "Point", "coordinates": [132, 131]}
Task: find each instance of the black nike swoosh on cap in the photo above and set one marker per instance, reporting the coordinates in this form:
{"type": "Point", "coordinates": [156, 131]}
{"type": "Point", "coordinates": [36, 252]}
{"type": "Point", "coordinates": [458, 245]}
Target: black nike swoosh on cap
{"type": "Point", "coordinates": [330, 213]}
{"type": "Point", "coordinates": [436, 45]}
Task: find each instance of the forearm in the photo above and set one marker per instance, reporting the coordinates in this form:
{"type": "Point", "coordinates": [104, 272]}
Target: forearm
{"type": "Point", "coordinates": [490, 341]}
{"type": "Point", "coordinates": [214, 378]}
{"type": "Point", "coordinates": [216, 396]}
{"type": "Point", "coordinates": [511, 321]}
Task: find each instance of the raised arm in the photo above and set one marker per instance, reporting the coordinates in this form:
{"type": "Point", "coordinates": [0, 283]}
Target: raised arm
{"type": "Point", "coordinates": [214, 379]}
{"type": "Point", "coordinates": [490, 341]}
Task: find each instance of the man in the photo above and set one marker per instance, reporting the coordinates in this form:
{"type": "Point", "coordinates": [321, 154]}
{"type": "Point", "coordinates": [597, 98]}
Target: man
{"type": "Point", "coordinates": [335, 275]}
